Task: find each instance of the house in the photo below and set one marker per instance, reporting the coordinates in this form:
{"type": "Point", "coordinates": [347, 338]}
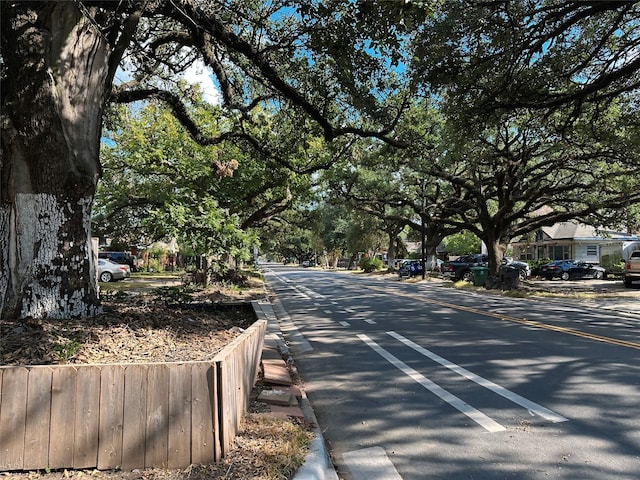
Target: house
{"type": "Point", "coordinates": [571, 240]}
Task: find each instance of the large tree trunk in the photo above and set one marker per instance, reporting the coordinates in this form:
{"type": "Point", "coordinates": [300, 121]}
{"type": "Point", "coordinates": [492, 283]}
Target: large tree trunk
{"type": "Point", "coordinates": [51, 124]}
{"type": "Point", "coordinates": [495, 251]}
{"type": "Point", "coordinates": [393, 231]}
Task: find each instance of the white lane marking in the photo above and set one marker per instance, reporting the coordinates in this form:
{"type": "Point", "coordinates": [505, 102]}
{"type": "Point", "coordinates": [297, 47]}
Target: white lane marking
{"type": "Point", "coordinates": [328, 311]}
{"type": "Point", "coordinates": [474, 414]}
{"type": "Point", "coordinates": [296, 339]}
{"type": "Point", "coordinates": [295, 290]}
{"type": "Point", "coordinates": [508, 394]}
{"type": "Point", "coordinates": [290, 331]}
{"type": "Point", "coordinates": [370, 464]}
{"type": "Point", "coordinates": [369, 321]}
{"type": "Point", "coordinates": [349, 310]}
{"type": "Point", "coordinates": [345, 324]}
{"type": "Point", "coordinates": [309, 292]}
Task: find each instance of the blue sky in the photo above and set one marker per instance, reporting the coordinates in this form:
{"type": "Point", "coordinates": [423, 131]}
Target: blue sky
{"type": "Point", "coordinates": [196, 74]}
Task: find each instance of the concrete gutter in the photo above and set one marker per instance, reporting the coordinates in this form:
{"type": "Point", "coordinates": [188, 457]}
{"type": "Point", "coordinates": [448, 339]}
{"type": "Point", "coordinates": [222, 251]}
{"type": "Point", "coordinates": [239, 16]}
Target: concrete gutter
{"type": "Point", "coordinates": [317, 464]}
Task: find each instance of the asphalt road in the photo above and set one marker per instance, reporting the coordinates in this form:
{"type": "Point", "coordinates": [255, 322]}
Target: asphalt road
{"type": "Point", "coordinates": [417, 381]}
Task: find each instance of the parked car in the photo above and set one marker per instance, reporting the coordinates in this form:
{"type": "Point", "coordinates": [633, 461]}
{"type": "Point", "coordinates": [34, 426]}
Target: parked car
{"type": "Point", "coordinates": [460, 269]}
{"type": "Point", "coordinates": [110, 271]}
{"type": "Point", "coordinates": [119, 257]}
{"type": "Point", "coordinates": [582, 270]}
{"type": "Point", "coordinates": [410, 268]}
{"type": "Point", "coordinates": [557, 269]}
{"type": "Point", "coordinates": [632, 269]}
{"type": "Point", "coordinates": [524, 270]}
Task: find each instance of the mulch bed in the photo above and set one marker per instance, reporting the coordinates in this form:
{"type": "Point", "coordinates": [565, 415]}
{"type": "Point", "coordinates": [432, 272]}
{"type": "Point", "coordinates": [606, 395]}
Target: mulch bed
{"type": "Point", "coordinates": [131, 330]}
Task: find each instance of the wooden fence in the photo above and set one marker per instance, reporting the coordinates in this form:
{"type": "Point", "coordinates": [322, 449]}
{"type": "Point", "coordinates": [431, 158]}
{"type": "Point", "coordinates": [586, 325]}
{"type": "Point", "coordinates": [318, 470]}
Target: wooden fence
{"type": "Point", "coordinates": [127, 415]}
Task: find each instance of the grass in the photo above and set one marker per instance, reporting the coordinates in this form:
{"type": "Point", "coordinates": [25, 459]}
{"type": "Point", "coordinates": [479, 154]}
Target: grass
{"type": "Point", "coordinates": [576, 295]}
{"type": "Point", "coordinates": [286, 453]}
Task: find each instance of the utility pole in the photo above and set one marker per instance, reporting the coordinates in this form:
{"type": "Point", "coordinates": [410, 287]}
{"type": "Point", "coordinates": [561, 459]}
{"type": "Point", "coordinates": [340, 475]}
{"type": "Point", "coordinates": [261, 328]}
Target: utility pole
{"type": "Point", "coordinates": [423, 255]}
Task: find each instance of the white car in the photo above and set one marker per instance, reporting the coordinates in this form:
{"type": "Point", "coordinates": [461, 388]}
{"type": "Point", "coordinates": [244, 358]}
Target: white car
{"type": "Point", "coordinates": [110, 271]}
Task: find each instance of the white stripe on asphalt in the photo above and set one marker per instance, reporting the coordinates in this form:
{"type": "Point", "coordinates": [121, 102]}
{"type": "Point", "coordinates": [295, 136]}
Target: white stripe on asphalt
{"type": "Point", "coordinates": [474, 414]}
{"type": "Point", "coordinates": [344, 324]}
{"type": "Point", "coordinates": [371, 464]}
{"type": "Point", "coordinates": [508, 394]}
{"type": "Point", "coordinates": [296, 339]}
{"type": "Point", "coordinates": [369, 321]}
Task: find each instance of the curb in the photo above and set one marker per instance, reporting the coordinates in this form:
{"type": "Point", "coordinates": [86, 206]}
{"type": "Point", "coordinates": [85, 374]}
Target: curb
{"type": "Point", "coordinates": [317, 464]}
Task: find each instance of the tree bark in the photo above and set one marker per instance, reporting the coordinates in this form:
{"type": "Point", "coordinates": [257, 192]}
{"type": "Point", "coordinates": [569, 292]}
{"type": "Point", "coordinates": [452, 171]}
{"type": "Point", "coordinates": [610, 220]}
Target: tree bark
{"type": "Point", "coordinates": [51, 124]}
{"type": "Point", "coordinates": [495, 251]}
{"type": "Point", "coordinates": [392, 230]}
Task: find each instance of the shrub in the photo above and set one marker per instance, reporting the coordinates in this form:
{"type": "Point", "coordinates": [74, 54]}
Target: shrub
{"type": "Point", "coordinates": [370, 264]}
{"type": "Point", "coordinates": [536, 265]}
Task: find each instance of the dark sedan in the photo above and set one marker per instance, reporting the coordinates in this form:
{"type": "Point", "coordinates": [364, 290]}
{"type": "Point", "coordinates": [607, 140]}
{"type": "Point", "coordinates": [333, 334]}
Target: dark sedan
{"type": "Point", "coordinates": [557, 269]}
{"type": "Point", "coordinates": [581, 270]}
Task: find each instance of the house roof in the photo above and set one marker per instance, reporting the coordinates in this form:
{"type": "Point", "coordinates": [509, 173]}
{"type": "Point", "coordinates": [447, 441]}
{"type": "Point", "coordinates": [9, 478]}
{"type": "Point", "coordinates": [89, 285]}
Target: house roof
{"type": "Point", "coordinates": [580, 231]}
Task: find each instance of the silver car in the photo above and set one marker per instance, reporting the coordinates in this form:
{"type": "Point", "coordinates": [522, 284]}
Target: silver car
{"type": "Point", "coordinates": [110, 271]}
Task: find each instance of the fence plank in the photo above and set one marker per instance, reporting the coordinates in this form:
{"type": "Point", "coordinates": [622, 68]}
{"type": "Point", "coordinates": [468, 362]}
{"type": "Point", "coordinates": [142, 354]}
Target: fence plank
{"type": "Point", "coordinates": [85, 441]}
{"type": "Point", "coordinates": [111, 417]}
{"type": "Point", "coordinates": [236, 366]}
{"type": "Point", "coordinates": [63, 411]}
{"type": "Point", "coordinates": [13, 414]}
{"type": "Point", "coordinates": [227, 404]}
{"type": "Point", "coordinates": [135, 414]}
{"type": "Point", "coordinates": [204, 417]}
{"type": "Point", "coordinates": [36, 437]}
{"type": "Point", "coordinates": [157, 416]}
{"type": "Point", "coordinates": [179, 427]}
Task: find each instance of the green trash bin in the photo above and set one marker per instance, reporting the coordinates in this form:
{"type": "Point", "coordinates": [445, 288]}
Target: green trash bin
{"type": "Point", "coordinates": [480, 275]}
